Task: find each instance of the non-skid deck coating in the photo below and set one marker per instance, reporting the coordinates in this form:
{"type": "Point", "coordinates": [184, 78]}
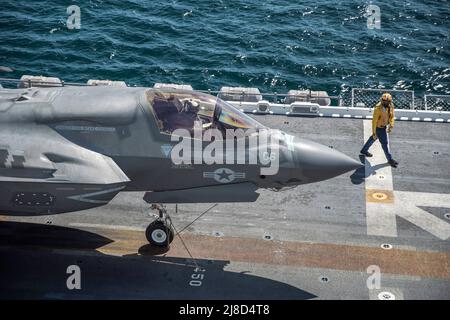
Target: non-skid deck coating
{"type": "Point", "coordinates": [313, 241]}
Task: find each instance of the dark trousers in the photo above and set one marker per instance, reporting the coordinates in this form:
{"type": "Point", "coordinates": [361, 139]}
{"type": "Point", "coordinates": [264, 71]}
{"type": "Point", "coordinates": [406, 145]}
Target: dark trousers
{"type": "Point", "coordinates": [384, 140]}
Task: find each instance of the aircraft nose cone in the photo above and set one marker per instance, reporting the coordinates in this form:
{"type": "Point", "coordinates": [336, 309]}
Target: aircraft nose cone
{"type": "Point", "coordinates": [319, 162]}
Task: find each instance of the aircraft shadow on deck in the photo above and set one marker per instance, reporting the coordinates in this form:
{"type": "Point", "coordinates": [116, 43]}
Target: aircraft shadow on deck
{"type": "Point", "coordinates": [49, 236]}
{"type": "Point", "coordinates": [29, 271]}
{"type": "Point", "coordinates": [360, 174]}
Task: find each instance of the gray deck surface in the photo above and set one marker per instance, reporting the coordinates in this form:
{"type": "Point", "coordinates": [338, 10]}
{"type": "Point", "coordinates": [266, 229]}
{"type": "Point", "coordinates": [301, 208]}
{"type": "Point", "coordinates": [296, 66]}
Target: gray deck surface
{"type": "Point", "coordinates": [318, 230]}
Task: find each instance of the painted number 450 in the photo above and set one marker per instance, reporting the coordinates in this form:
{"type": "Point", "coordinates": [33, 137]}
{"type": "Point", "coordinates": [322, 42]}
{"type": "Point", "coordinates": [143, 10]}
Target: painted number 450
{"type": "Point", "coordinates": [197, 277]}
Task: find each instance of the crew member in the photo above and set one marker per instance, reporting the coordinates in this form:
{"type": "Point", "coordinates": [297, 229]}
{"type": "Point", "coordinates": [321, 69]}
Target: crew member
{"type": "Point", "coordinates": [185, 117]}
{"type": "Point", "coordinates": [382, 125]}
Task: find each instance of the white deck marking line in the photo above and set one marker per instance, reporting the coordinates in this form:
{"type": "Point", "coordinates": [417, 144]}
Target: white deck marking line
{"type": "Point", "coordinates": [381, 218]}
{"type": "Point", "coordinates": [380, 221]}
{"type": "Point", "coordinates": [378, 172]}
{"type": "Point", "coordinates": [408, 209]}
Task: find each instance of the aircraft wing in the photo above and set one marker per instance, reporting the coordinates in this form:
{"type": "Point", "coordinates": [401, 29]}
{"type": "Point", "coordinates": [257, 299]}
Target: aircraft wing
{"type": "Point", "coordinates": [41, 172]}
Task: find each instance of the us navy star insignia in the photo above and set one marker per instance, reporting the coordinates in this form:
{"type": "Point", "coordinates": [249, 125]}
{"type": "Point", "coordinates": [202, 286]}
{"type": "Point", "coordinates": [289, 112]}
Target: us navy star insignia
{"type": "Point", "coordinates": [224, 175]}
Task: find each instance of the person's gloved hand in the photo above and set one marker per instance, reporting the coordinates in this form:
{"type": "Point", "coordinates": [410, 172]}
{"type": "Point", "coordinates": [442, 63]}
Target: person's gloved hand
{"type": "Point", "coordinates": [389, 130]}
{"type": "Point", "coordinates": [374, 136]}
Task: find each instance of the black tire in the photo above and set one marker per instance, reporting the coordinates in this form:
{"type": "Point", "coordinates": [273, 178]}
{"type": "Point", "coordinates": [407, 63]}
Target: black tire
{"type": "Point", "coordinates": [159, 234]}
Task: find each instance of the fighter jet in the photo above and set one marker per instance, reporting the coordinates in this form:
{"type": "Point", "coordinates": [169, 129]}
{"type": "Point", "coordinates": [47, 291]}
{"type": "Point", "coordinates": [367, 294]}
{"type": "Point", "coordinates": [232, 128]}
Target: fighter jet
{"type": "Point", "coordinates": [71, 148]}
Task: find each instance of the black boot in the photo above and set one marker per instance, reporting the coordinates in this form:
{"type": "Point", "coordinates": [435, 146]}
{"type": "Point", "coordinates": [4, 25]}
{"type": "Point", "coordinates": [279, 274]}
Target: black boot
{"type": "Point", "coordinates": [393, 163]}
{"type": "Point", "coordinates": [366, 153]}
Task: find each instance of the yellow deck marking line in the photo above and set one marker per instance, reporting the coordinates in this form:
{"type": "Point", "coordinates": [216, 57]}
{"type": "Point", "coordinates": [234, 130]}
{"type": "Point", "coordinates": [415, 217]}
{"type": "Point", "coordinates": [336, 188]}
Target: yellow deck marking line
{"type": "Point", "coordinates": [299, 254]}
{"type": "Point", "coordinates": [104, 226]}
{"type": "Point", "coordinates": [251, 250]}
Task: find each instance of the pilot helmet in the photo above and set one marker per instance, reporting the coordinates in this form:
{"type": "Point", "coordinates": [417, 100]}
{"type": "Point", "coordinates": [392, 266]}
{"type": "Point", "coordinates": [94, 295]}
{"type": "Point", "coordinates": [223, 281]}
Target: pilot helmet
{"type": "Point", "coordinates": [192, 106]}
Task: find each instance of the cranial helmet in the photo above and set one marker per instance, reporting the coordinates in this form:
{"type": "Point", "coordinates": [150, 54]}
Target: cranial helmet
{"type": "Point", "coordinates": [386, 97]}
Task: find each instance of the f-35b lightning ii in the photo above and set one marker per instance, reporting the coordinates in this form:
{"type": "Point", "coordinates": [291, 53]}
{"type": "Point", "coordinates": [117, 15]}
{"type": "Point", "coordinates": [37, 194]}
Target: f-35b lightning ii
{"type": "Point", "coordinates": [71, 148]}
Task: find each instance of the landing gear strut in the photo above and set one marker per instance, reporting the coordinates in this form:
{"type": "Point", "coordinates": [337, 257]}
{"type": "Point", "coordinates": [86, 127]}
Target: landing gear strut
{"type": "Point", "coordinates": [160, 232]}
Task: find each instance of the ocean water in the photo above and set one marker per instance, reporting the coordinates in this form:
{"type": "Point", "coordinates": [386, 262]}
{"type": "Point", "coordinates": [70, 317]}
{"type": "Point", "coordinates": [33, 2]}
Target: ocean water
{"type": "Point", "coordinates": [274, 45]}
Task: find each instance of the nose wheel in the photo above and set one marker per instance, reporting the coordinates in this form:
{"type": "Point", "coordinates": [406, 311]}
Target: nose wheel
{"type": "Point", "coordinates": [160, 233]}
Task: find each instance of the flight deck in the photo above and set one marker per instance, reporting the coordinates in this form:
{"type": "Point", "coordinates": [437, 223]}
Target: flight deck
{"type": "Point", "coordinates": [324, 240]}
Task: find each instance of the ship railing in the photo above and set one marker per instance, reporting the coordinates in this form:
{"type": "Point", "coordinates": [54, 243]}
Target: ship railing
{"type": "Point", "coordinates": [368, 98]}
{"type": "Point", "coordinates": [356, 98]}
{"type": "Point", "coordinates": [29, 83]}
{"type": "Point", "coordinates": [277, 98]}
{"type": "Point", "coordinates": [436, 102]}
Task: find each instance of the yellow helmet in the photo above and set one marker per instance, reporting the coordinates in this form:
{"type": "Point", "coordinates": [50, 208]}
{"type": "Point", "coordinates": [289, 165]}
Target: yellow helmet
{"type": "Point", "coordinates": [386, 97]}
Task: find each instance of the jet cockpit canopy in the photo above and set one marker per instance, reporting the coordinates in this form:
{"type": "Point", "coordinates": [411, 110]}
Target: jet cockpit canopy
{"type": "Point", "coordinates": [179, 109]}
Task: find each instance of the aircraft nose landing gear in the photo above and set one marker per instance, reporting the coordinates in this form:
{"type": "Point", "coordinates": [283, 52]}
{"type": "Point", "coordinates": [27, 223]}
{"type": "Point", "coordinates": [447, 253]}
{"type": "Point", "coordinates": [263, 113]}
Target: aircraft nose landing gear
{"type": "Point", "coordinates": [160, 232]}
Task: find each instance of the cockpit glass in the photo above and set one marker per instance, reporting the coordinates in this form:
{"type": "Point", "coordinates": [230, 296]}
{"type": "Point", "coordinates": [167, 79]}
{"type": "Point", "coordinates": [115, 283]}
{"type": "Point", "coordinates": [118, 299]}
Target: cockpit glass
{"type": "Point", "coordinates": [177, 109]}
{"type": "Point", "coordinates": [234, 118]}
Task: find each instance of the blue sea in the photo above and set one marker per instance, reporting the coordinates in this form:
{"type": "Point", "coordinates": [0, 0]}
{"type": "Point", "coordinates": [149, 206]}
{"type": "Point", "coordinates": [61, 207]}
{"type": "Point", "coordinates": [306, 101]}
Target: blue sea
{"type": "Point", "coordinates": [274, 45]}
